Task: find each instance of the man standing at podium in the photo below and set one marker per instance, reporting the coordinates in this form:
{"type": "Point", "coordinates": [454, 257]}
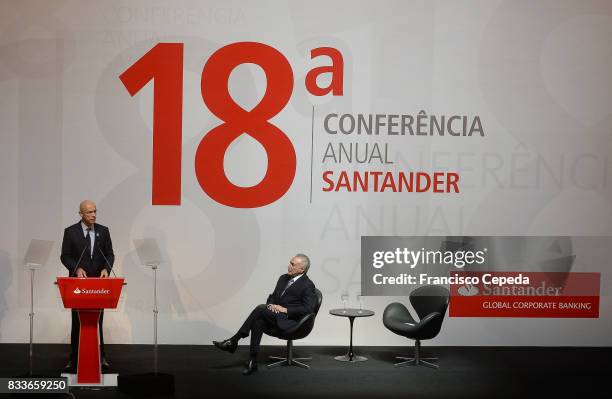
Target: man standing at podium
{"type": "Point", "coordinates": [87, 251]}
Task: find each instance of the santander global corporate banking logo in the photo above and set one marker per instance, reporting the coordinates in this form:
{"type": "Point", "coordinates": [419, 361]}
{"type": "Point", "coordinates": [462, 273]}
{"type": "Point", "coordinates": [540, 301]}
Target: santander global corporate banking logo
{"type": "Point", "coordinates": [77, 291]}
{"type": "Point", "coordinates": [164, 65]}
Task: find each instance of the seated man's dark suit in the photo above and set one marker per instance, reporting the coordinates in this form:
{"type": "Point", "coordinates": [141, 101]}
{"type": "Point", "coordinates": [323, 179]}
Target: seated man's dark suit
{"type": "Point", "coordinates": [73, 245]}
{"type": "Point", "coordinates": [299, 299]}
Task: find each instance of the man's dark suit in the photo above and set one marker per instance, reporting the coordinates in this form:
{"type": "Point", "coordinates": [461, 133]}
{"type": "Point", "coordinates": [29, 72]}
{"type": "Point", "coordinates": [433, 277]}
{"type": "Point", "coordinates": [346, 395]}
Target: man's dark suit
{"type": "Point", "coordinates": [73, 245]}
{"type": "Point", "coordinates": [299, 299]}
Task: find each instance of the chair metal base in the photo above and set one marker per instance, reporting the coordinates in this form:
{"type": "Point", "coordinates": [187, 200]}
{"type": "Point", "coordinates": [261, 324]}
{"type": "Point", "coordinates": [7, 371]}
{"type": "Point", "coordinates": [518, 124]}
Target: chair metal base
{"type": "Point", "coordinates": [289, 360]}
{"type": "Point", "coordinates": [411, 361]}
{"type": "Point", "coordinates": [417, 360]}
{"type": "Point", "coordinates": [283, 361]}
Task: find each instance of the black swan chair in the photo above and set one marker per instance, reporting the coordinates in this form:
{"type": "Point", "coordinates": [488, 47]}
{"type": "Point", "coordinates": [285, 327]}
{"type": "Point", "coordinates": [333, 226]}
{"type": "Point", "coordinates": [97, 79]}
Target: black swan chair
{"type": "Point", "coordinates": [299, 331]}
{"type": "Point", "coordinates": [430, 303]}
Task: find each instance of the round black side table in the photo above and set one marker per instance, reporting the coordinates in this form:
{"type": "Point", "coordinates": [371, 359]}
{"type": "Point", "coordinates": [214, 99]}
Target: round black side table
{"type": "Point", "coordinates": [351, 314]}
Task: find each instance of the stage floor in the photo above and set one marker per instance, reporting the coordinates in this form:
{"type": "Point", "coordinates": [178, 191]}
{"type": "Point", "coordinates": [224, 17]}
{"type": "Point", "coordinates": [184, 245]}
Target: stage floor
{"type": "Point", "coordinates": [465, 372]}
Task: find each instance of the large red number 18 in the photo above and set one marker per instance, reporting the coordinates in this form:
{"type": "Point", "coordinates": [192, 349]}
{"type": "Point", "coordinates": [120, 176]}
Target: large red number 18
{"type": "Point", "coordinates": [164, 63]}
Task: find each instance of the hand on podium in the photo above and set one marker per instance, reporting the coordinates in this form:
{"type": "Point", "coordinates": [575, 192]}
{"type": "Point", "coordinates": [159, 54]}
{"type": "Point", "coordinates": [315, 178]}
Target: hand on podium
{"type": "Point", "coordinates": [104, 273]}
{"type": "Point", "coordinates": [80, 272]}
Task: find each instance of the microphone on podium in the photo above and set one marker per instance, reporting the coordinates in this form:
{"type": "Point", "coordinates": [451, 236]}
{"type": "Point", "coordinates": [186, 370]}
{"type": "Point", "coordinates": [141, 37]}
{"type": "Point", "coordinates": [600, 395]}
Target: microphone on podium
{"type": "Point", "coordinates": [107, 262]}
{"type": "Point", "coordinates": [81, 257]}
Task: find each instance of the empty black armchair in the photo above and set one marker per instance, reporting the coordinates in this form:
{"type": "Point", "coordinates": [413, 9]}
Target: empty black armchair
{"type": "Point", "coordinates": [430, 303]}
{"type": "Point", "coordinates": [299, 331]}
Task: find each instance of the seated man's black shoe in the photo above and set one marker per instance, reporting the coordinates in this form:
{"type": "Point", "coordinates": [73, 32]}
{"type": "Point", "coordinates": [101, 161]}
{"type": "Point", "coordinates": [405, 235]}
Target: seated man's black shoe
{"type": "Point", "coordinates": [228, 345]}
{"type": "Point", "coordinates": [250, 367]}
{"type": "Point", "coordinates": [105, 364]}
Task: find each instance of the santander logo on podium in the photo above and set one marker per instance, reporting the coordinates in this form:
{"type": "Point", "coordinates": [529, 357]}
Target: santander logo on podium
{"type": "Point", "coordinates": [101, 291]}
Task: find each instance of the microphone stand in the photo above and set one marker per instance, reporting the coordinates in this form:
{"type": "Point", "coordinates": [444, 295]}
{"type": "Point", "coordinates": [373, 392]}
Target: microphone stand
{"type": "Point", "coordinates": [36, 256]}
{"type": "Point", "coordinates": [149, 383]}
{"type": "Point", "coordinates": [155, 312]}
{"type": "Point", "coordinates": [32, 267]}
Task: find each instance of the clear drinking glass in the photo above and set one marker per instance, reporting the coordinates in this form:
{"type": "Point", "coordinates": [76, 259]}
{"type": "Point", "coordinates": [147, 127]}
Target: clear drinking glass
{"type": "Point", "coordinates": [360, 300]}
{"type": "Point", "coordinates": [344, 298]}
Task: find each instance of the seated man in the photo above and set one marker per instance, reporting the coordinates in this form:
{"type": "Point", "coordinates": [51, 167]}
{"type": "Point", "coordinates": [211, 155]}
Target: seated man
{"type": "Point", "coordinates": [293, 298]}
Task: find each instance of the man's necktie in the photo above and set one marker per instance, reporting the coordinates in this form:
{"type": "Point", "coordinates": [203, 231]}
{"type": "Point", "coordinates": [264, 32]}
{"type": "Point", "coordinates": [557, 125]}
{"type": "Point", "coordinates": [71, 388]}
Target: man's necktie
{"type": "Point", "coordinates": [288, 285]}
{"type": "Point", "coordinates": [88, 237]}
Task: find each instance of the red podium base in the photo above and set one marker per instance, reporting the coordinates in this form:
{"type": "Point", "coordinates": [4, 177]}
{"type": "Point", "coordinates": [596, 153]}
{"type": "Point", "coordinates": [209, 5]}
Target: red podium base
{"type": "Point", "coordinates": [89, 370]}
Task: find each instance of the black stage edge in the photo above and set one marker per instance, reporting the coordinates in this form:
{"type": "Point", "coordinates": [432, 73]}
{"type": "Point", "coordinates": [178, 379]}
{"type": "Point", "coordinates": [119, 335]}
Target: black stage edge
{"type": "Point", "coordinates": [146, 385]}
{"type": "Point", "coordinates": [203, 371]}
